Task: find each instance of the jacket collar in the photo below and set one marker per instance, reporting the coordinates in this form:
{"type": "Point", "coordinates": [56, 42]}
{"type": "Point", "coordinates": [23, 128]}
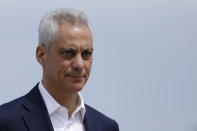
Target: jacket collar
{"type": "Point", "coordinates": [90, 122]}
{"type": "Point", "coordinates": [36, 118]}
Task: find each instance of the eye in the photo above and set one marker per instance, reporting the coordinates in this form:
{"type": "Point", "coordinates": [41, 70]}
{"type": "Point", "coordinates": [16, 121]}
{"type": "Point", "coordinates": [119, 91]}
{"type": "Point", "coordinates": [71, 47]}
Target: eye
{"type": "Point", "coordinates": [68, 53]}
{"type": "Point", "coordinates": [86, 54]}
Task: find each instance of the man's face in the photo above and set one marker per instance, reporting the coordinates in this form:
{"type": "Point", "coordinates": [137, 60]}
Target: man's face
{"type": "Point", "coordinates": [68, 64]}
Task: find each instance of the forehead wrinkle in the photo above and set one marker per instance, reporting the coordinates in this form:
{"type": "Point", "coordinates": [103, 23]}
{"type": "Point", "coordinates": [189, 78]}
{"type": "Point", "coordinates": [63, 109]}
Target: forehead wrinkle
{"type": "Point", "coordinates": [74, 30]}
{"type": "Point", "coordinates": [75, 47]}
{"type": "Point", "coordinates": [80, 41]}
{"type": "Point", "coordinates": [66, 38]}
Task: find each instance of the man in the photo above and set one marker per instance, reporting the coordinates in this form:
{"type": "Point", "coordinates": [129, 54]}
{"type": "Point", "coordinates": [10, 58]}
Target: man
{"type": "Point", "coordinates": [55, 104]}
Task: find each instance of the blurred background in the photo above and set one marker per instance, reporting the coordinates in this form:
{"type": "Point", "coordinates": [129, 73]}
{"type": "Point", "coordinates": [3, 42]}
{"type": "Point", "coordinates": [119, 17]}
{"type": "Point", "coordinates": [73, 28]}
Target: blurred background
{"type": "Point", "coordinates": [144, 72]}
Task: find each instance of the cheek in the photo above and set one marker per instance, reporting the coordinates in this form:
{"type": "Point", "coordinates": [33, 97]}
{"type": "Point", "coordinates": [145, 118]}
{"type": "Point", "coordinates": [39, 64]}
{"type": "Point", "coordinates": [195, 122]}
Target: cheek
{"type": "Point", "coordinates": [50, 66]}
{"type": "Point", "coordinates": [62, 69]}
{"type": "Point", "coordinates": [88, 66]}
{"type": "Point", "coordinates": [64, 65]}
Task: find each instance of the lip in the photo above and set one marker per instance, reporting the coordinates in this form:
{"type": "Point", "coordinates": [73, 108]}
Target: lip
{"type": "Point", "coordinates": [76, 77]}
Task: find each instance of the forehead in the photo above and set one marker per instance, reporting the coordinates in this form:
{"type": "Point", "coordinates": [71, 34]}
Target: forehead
{"type": "Point", "coordinates": [68, 31]}
{"type": "Point", "coordinates": [73, 35]}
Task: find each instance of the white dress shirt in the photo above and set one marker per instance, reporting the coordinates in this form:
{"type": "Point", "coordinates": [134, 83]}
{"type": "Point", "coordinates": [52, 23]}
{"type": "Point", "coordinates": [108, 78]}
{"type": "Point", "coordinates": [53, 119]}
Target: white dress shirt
{"type": "Point", "coordinates": [59, 114]}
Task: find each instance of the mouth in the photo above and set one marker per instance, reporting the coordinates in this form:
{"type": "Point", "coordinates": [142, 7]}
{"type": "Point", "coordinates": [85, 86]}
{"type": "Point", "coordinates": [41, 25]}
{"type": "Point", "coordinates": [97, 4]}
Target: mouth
{"type": "Point", "coordinates": [76, 77]}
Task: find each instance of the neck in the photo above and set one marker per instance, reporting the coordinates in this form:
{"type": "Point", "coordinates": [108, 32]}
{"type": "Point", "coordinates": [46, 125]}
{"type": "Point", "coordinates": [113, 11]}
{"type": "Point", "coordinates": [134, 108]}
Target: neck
{"type": "Point", "coordinates": [68, 101]}
{"type": "Point", "coordinates": [63, 98]}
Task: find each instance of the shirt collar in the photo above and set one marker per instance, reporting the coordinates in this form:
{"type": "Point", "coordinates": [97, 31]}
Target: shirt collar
{"type": "Point", "coordinates": [52, 105]}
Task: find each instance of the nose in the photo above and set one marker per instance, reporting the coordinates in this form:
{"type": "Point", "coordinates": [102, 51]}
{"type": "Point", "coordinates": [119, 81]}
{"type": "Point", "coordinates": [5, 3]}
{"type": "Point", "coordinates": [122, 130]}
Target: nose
{"type": "Point", "coordinates": [78, 63]}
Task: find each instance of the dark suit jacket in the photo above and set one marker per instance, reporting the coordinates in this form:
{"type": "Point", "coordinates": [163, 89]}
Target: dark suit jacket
{"type": "Point", "coordinates": [29, 113]}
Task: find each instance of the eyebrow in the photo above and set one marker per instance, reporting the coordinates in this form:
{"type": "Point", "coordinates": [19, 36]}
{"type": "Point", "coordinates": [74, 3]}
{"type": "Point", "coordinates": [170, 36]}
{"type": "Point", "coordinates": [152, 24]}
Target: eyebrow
{"type": "Point", "coordinates": [72, 48]}
{"type": "Point", "coordinates": [91, 49]}
{"type": "Point", "coordinates": [65, 48]}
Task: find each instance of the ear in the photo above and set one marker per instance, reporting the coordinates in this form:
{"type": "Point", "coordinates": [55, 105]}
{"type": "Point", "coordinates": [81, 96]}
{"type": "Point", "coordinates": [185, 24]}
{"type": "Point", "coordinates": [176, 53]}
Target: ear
{"type": "Point", "coordinates": [41, 54]}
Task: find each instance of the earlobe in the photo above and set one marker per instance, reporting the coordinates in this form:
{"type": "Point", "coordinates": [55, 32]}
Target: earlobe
{"type": "Point", "coordinates": [41, 55]}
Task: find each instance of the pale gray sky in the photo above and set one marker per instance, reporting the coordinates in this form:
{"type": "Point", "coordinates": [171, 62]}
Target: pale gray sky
{"type": "Point", "coordinates": [144, 71]}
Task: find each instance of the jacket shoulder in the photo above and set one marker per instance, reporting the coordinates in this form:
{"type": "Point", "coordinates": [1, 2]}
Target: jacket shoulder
{"type": "Point", "coordinates": [102, 118]}
{"type": "Point", "coordinates": [14, 107]}
{"type": "Point", "coordinates": [11, 108]}
{"type": "Point", "coordinates": [10, 113]}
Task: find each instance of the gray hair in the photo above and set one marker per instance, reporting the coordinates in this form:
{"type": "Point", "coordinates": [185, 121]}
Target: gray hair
{"type": "Point", "coordinates": [49, 24]}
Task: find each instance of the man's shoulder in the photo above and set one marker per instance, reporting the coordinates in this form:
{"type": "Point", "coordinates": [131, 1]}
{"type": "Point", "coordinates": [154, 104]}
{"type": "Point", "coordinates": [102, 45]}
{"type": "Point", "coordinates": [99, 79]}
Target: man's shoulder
{"type": "Point", "coordinates": [12, 106]}
{"type": "Point", "coordinates": [94, 112]}
{"type": "Point", "coordinates": [10, 113]}
{"type": "Point", "coordinates": [98, 116]}
{"type": "Point", "coordinates": [20, 102]}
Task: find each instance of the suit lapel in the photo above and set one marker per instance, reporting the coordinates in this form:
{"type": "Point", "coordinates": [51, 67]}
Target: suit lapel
{"type": "Point", "coordinates": [89, 121]}
{"type": "Point", "coordinates": [36, 117]}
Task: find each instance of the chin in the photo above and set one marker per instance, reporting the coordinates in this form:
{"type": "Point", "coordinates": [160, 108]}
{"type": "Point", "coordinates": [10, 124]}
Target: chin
{"type": "Point", "coordinates": [76, 87]}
